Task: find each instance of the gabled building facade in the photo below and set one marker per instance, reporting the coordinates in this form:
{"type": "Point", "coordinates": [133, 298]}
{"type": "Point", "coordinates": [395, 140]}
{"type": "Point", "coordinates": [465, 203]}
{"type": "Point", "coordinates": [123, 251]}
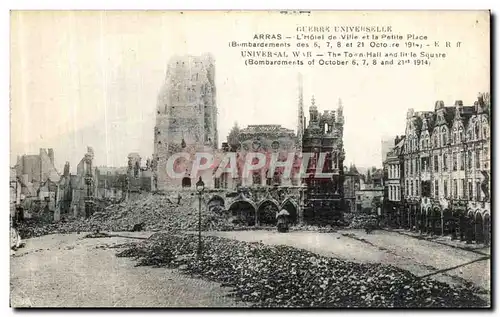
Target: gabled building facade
{"type": "Point", "coordinates": [446, 170]}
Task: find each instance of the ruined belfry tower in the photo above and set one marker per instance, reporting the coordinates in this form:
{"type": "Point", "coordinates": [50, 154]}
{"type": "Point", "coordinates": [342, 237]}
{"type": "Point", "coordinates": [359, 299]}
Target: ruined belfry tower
{"type": "Point", "coordinates": [186, 113]}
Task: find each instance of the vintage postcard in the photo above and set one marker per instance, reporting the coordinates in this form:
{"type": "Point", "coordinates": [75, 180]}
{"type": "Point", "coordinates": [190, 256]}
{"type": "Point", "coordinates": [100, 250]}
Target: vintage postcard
{"type": "Point", "coordinates": [293, 159]}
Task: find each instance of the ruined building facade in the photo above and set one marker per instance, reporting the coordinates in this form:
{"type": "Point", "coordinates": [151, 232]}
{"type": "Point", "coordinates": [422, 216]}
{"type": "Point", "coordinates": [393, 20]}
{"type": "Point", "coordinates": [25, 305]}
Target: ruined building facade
{"type": "Point", "coordinates": [323, 137]}
{"type": "Point", "coordinates": [186, 114]}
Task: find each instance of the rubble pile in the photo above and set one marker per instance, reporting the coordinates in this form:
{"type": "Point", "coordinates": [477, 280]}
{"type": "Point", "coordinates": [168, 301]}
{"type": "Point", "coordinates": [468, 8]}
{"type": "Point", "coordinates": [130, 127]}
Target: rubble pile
{"type": "Point", "coordinates": [154, 212]}
{"type": "Point", "coordinates": [30, 228]}
{"type": "Point", "coordinates": [282, 276]}
{"type": "Point", "coordinates": [362, 221]}
{"type": "Point", "coordinates": [305, 227]}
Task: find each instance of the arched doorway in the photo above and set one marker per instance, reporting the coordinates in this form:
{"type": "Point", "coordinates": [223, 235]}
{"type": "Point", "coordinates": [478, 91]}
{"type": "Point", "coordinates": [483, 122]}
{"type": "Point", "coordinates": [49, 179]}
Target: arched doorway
{"type": "Point", "coordinates": [411, 218]}
{"type": "Point", "coordinates": [293, 209]}
{"type": "Point", "coordinates": [487, 229]}
{"type": "Point", "coordinates": [462, 224]}
{"type": "Point", "coordinates": [479, 228]}
{"type": "Point", "coordinates": [243, 212]}
{"type": "Point", "coordinates": [467, 226]}
{"type": "Point", "coordinates": [435, 215]}
{"type": "Point", "coordinates": [417, 215]}
{"type": "Point", "coordinates": [447, 222]}
{"type": "Point", "coordinates": [403, 217]}
{"type": "Point", "coordinates": [266, 212]}
{"type": "Point", "coordinates": [426, 215]}
{"type": "Point", "coordinates": [186, 182]}
{"type": "Point", "coordinates": [216, 203]}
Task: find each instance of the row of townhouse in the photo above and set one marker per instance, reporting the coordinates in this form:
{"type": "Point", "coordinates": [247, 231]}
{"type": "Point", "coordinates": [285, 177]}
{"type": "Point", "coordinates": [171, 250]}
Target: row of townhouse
{"type": "Point", "coordinates": [438, 173]}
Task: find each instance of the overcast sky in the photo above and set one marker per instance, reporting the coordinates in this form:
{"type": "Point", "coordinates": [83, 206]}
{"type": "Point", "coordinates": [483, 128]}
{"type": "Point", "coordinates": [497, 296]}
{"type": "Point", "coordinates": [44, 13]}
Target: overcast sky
{"type": "Point", "coordinates": [92, 78]}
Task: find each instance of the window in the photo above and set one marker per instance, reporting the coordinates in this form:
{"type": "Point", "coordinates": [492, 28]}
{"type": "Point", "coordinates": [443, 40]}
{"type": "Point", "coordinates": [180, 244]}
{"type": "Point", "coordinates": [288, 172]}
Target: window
{"type": "Point", "coordinates": [411, 188]}
{"type": "Point", "coordinates": [469, 160]}
{"type": "Point", "coordinates": [407, 188]}
{"type": "Point", "coordinates": [477, 159]}
{"type": "Point", "coordinates": [445, 188]}
{"type": "Point", "coordinates": [462, 161]}
{"type": "Point", "coordinates": [455, 188]}
{"type": "Point", "coordinates": [445, 159]}
{"type": "Point", "coordinates": [411, 167]}
{"type": "Point", "coordinates": [471, 192]}
{"type": "Point", "coordinates": [436, 163]}
{"type": "Point", "coordinates": [463, 189]}
{"type": "Point", "coordinates": [478, 191]}
{"type": "Point", "coordinates": [436, 188]}
{"type": "Point", "coordinates": [455, 161]}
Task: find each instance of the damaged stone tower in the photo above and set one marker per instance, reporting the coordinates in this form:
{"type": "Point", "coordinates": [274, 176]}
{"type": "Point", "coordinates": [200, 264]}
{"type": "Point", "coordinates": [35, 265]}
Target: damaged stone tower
{"type": "Point", "coordinates": [186, 114]}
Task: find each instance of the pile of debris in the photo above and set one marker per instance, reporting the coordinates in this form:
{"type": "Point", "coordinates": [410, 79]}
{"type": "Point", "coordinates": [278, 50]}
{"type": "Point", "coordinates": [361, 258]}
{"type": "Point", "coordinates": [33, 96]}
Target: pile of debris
{"type": "Point", "coordinates": [152, 213]}
{"type": "Point", "coordinates": [362, 221]}
{"type": "Point", "coordinates": [305, 227]}
{"type": "Point", "coordinates": [282, 276]}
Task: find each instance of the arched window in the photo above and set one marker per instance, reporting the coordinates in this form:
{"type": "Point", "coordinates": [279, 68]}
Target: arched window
{"type": "Point", "coordinates": [444, 138]}
{"type": "Point", "coordinates": [476, 130]}
{"type": "Point", "coordinates": [460, 135]}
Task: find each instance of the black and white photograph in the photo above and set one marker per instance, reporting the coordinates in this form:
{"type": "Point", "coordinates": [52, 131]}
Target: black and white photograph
{"type": "Point", "coordinates": [250, 159]}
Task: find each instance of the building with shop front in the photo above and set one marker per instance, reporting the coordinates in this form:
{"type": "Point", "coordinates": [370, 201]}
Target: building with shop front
{"type": "Point", "coordinates": [446, 171]}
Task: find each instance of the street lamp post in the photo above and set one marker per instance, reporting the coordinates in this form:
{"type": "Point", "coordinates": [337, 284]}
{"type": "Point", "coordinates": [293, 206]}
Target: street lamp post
{"type": "Point", "coordinates": [200, 186]}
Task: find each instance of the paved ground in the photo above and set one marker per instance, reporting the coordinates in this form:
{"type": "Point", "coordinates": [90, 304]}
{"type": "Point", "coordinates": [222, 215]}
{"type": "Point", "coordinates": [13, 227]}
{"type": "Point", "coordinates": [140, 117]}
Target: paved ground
{"type": "Point", "coordinates": [421, 257]}
{"type": "Point", "coordinates": [63, 271]}
{"type": "Point", "coordinates": [67, 271]}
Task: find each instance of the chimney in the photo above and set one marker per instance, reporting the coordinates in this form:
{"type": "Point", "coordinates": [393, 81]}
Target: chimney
{"type": "Point", "coordinates": [51, 156]}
